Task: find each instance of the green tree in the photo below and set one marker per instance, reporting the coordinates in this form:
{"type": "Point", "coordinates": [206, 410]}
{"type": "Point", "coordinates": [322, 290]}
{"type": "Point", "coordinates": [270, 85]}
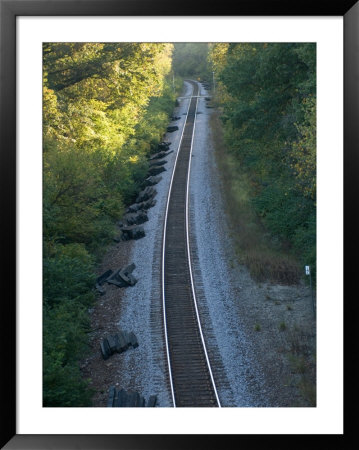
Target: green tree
{"type": "Point", "coordinates": [105, 106]}
{"type": "Point", "coordinates": [190, 60]}
{"type": "Point", "coordinates": [268, 95]}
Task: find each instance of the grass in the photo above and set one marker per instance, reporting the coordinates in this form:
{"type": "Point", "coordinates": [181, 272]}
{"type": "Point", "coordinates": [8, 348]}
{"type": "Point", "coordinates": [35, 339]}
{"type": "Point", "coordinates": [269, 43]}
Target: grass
{"type": "Point", "coordinates": [257, 327]}
{"type": "Point", "coordinates": [266, 259]}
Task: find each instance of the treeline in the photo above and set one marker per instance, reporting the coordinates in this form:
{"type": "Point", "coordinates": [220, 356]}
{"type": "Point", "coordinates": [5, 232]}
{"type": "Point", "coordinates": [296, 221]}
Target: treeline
{"type": "Point", "coordinates": [190, 60]}
{"type": "Point", "coordinates": [268, 95]}
{"type": "Point", "coordinates": [105, 106]}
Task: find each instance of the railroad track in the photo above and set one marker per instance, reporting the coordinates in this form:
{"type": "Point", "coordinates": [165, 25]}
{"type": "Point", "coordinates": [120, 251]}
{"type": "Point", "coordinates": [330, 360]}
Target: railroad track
{"type": "Point", "coordinates": [190, 374]}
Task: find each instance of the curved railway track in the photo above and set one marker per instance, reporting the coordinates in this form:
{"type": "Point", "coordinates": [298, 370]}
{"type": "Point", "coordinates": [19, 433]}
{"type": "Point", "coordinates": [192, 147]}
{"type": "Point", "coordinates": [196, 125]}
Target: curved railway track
{"type": "Point", "coordinates": [190, 374]}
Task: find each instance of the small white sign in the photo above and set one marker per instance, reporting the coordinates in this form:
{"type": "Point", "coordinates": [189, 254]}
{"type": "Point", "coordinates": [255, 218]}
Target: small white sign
{"type": "Point", "coordinates": [307, 270]}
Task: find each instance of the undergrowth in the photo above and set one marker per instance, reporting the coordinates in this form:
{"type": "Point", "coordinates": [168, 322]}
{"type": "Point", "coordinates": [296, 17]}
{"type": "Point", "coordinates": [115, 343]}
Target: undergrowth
{"type": "Point", "coordinates": [266, 257]}
{"type": "Point", "coordinates": [269, 258]}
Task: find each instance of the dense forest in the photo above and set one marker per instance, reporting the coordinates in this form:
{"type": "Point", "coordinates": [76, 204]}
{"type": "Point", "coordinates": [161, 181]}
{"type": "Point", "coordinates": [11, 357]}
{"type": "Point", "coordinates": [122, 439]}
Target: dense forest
{"type": "Point", "coordinates": [190, 60]}
{"type": "Point", "coordinates": [105, 108]}
{"type": "Point", "coordinates": [267, 93]}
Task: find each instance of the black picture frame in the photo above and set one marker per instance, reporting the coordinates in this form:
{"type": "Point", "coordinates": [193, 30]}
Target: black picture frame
{"type": "Point", "coordinates": [9, 10]}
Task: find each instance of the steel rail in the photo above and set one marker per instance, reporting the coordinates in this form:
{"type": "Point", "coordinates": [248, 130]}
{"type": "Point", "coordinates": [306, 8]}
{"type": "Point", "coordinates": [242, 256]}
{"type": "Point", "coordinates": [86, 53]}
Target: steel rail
{"type": "Point", "coordinates": [190, 263]}
{"type": "Point", "coordinates": [204, 383]}
{"type": "Point", "coordinates": [163, 262]}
